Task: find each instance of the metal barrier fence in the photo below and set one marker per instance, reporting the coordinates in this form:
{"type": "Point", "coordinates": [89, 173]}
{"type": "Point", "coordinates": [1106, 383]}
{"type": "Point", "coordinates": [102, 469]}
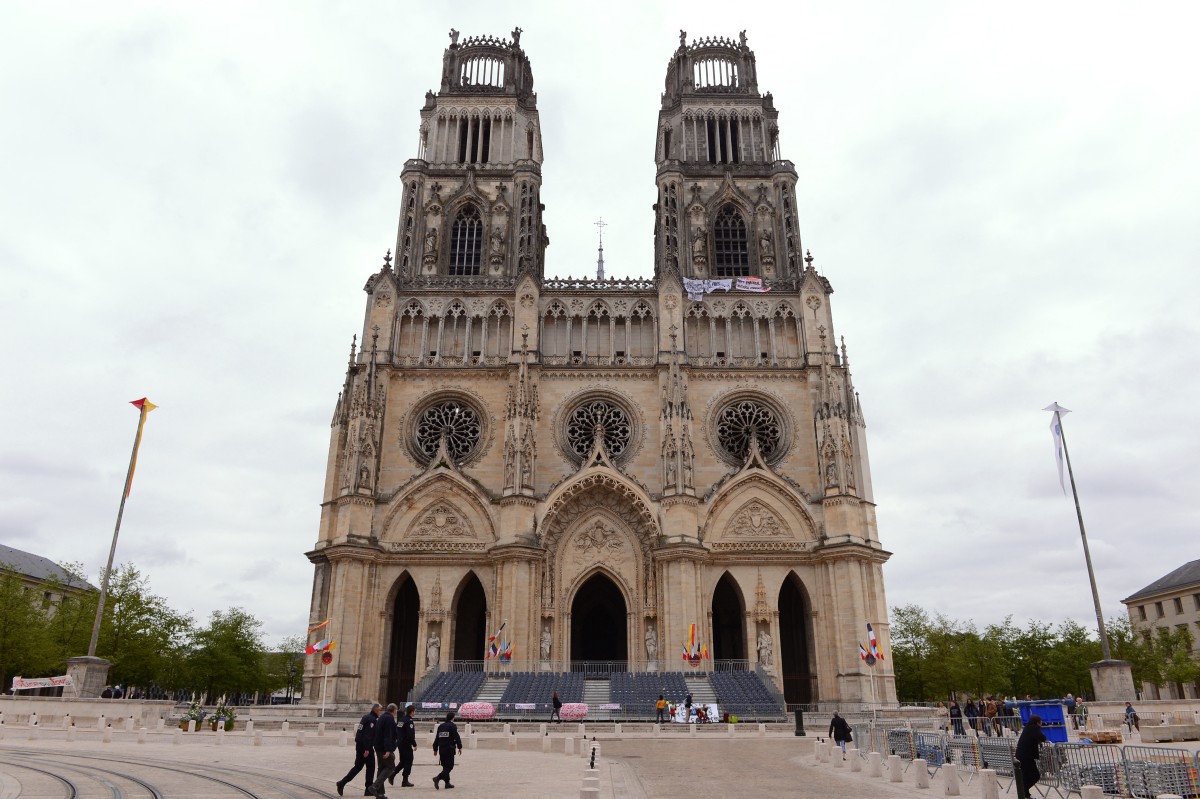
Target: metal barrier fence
{"type": "Point", "coordinates": [1139, 772]}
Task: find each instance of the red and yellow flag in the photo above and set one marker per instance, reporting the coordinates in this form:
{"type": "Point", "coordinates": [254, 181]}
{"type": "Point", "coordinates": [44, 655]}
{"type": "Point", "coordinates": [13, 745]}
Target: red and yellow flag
{"type": "Point", "coordinates": [144, 407]}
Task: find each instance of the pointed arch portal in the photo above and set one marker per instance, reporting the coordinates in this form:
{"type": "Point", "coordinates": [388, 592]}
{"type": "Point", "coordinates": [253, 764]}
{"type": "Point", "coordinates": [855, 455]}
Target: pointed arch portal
{"type": "Point", "coordinates": [402, 660]}
{"type": "Point", "coordinates": [795, 633]}
{"type": "Point", "coordinates": [728, 621]}
{"type": "Point", "coordinates": [470, 621]}
{"type": "Point", "coordinates": [599, 624]}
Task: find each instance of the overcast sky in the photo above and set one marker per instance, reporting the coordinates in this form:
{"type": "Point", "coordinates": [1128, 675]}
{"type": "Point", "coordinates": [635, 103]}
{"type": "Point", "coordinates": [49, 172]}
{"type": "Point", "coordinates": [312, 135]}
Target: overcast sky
{"type": "Point", "coordinates": [1004, 197]}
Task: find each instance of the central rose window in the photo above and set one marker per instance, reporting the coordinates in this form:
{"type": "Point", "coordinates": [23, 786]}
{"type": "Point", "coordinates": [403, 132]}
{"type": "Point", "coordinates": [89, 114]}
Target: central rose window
{"type": "Point", "coordinates": [598, 417]}
{"type": "Point", "coordinates": [456, 421]}
{"type": "Point", "coordinates": [744, 419]}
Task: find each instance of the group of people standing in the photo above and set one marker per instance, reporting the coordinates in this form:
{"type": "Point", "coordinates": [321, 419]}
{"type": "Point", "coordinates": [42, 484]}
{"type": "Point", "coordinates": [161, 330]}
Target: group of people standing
{"type": "Point", "coordinates": [385, 748]}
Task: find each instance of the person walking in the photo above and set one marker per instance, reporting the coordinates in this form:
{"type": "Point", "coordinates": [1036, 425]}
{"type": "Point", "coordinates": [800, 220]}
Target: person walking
{"type": "Point", "coordinates": [445, 743]}
{"type": "Point", "coordinates": [956, 716]}
{"type": "Point", "coordinates": [972, 714]}
{"type": "Point", "coordinates": [989, 717]}
{"type": "Point", "coordinates": [386, 739]}
{"type": "Point", "coordinates": [406, 745]}
{"type": "Point", "coordinates": [1028, 746]}
{"type": "Point", "coordinates": [943, 717]}
{"type": "Point", "coordinates": [660, 708]}
{"type": "Point", "coordinates": [1131, 718]}
{"type": "Point", "coordinates": [840, 731]}
{"type": "Point", "coordinates": [555, 707]}
{"type": "Point", "coordinates": [687, 707]}
{"type": "Point", "coordinates": [364, 752]}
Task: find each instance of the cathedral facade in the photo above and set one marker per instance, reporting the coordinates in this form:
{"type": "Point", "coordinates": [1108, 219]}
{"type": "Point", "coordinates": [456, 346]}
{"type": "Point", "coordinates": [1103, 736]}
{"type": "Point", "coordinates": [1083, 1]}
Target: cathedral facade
{"type": "Point", "coordinates": [597, 465]}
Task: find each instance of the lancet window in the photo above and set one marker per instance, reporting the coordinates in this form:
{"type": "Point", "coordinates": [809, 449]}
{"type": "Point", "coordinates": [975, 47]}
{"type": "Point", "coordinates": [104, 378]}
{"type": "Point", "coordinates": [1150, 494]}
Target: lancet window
{"type": "Point", "coordinates": [599, 336]}
{"type": "Point", "coordinates": [466, 242]}
{"type": "Point", "coordinates": [730, 247]}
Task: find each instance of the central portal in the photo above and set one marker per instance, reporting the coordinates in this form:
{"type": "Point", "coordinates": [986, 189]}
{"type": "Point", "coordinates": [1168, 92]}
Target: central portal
{"type": "Point", "coordinates": [598, 621]}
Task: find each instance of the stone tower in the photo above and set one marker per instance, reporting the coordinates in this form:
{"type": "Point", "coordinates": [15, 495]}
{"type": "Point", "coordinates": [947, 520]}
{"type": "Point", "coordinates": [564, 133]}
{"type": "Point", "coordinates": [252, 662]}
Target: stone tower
{"type": "Point", "coordinates": [599, 464]}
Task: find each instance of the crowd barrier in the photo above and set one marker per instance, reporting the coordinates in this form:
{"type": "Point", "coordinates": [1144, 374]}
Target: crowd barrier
{"type": "Point", "coordinates": [1138, 772]}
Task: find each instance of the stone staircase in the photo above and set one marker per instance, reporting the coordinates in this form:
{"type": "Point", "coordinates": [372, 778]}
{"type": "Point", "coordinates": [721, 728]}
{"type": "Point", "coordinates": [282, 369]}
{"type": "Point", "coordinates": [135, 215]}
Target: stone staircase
{"type": "Point", "coordinates": [491, 690]}
{"type": "Point", "coordinates": [701, 690]}
{"type": "Point", "coordinates": [597, 692]}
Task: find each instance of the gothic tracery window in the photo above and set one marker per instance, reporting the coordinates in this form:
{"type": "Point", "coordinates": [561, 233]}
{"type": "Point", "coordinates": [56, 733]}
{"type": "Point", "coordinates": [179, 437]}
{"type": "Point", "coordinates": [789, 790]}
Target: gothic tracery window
{"type": "Point", "coordinates": [452, 419]}
{"type": "Point", "coordinates": [730, 246]}
{"type": "Point", "coordinates": [744, 419]}
{"type": "Point", "coordinates": [598, 416]}
{"type": "Point", "coordinates": [466, 242]}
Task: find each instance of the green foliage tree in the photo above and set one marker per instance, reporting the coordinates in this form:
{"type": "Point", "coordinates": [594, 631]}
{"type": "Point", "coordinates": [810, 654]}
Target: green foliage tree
{"type": "Point", "coordinates": [285, 666]}
{"type": "Point", "coordinates": [227, 655]}
{"type": "Point", "coordinates": [139, 629]}
{"type": "Point", "coordinates": [25, 646]}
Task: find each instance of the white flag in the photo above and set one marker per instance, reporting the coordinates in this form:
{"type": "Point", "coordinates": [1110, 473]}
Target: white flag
{"type": "Point", "coordinates": [1056, 432]}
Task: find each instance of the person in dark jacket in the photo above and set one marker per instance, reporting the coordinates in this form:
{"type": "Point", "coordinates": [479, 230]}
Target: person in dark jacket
{"type": "Point", "coordinates": [405, 748]}
{"type": "Point", "coordinates": [839, 730]}
{"type": "Point", "coordinates": [364, 749]}
{"type": "Point", "coordinates": [386, 738]}
{"type": "Point", "coordinates": [956, 716]}
{"type": "Point", "coordinates": [1031, 739]}
{"type": "Point", "coordinates": [971, 713]}
{"type": "Point", "coordinates": [555, 707]}
{"type": "Point", "coordinates": [445, 743]}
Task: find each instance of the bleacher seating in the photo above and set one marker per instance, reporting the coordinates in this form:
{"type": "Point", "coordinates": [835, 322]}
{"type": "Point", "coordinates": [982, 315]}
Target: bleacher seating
{"type": "Point", "coordinates": [453, 686]}
{"type": "Point", "coordinates": [538, 686]}
{"type": "Point", "coordinates": [638, 691]}
{"type": "Point", "coordinates": [742, 693]}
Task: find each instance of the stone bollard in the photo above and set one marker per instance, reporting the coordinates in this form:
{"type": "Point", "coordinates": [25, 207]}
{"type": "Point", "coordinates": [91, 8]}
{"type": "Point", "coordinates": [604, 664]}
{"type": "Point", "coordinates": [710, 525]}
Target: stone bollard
{"type": "Point", "coordinates": [921, 766]}
{"type": "Point", "coordinates": [344, 738]}
{"type": "Point", "coordinates": [470, 731]}
{"type": "Point", "coordinates": [473, 741]}
{"type": "Point", "coordinates": [762, 730]}
{"type": "Point", "coordinates": [692, 729]}
{"type": "Point", "coordinates": [71, 733]}
{"type": "Point", "coordinates": [591, 782]}
{"type": "Point", "coordinates": [158, 727]}
{"type": "Point", "coordinates": [545, 743]}
{"type": "Point", "coordinates": [321, 730]}
{"type": "Point", "coordinates": [1091, 792]}
{"type": "Point", "coordinates": [542, 728]}
{"type": "Point", "coordinates": [191, 725]}
{"type": "Point", "coordinates": [299, 737]}
{"type": "Point", "coordinates": [512, 743]}
{"type": "Point", "coordinates": [589, 793]}
{"type": "Point", "coordinates": [582, 729]}
{"type": "Point", "coordinates": [507, 728]}
{"type": "Point", "coordinates": [177, 736]}
{"type": "Point", "coordinates": [855, 760]}
{"type": "Point", "coordinates": [874, 764]}
{"type": "Point", "coordinates": [284, 728]}
{"type": "Point", "coordinates": [129, 724]}
{"type": "Point", "coordinates": [657, 729]}
{"type": "Point", "coordinates": [33, 733]}
{"type": "Point", "coordinates": [988, 787]}
{"type": "Point", "coordinates": [839, 760]}
{"type": "Point", "coordinates": [101, 724]}
{"type": "Point", "coordinates": [568, 745]}
{"type": "Point", "coordinates": [950, 776]}
{"type": "Point", "coordinates": [895, 769]}
{"type": "Point", "coordinates": [258, 739]}
{"type": "Point", "coordinates": [220, 734]}
{"type": "Point", "coordinates": [108, 734]}
{"type": "Point", "coordinates": [617, 729]}
{"type": "Point", "coordinates": [142, 735]}
{"type": "Point", "coordinates": [33, 718]}
{"type": "Point", "coordinates": [67, 722]}
{"type": "Point", "coordinates": [732, 729]}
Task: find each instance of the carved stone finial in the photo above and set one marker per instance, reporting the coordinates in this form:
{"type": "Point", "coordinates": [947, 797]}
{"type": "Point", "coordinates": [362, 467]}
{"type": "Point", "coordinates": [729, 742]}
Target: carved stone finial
{"type": "Point", "coordinates": [353, 345]}
{"type": "Point", "coordinates": [387, 261]}
{"type": "Point", "coordinates": [808, 259]}
{"type": "Point", "coordinates": [516, 36]}
{"type": "Point", "coordinates": [453, 38]}
{"type": "Point", "coordinates": [682, 38]}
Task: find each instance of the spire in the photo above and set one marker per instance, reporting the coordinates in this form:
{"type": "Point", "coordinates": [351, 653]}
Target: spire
{"type": "Point", "coordinates": [600, 225]}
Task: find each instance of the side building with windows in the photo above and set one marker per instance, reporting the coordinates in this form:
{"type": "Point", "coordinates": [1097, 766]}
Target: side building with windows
{"type": "Point", "coordinates": [1170, 603]}
{"type": "Point", "coordinates": [597, 465]}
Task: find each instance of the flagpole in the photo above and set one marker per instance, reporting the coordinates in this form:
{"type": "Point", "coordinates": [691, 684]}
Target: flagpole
{"type": "Point", "coordinates": [1087, 555]}
{"type": "Point", "coordinates": [112, 550]}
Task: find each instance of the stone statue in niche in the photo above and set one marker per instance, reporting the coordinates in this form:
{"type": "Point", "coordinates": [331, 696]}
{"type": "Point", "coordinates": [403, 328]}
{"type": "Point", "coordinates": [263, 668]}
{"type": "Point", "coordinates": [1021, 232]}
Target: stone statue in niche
{"type": "Point", "coordinates": [765, 648]}
{"type": "Point", "coordinates": [497, 241]}
{"type": "Point", "coordinates": [546, 642]}
{"type": "Point", "coordinates": [686, 455]}
{"type": "Point", "coordinates": [766, 247]}
{"type": "Point", "coordinates": [431, 240]}
{"type": "Point", "coordinates": [433, 649]}
{"type": "Point", "coordinates": [831, 480]}
{"type": "Point", "coordinates": [651, 643]}
{"type": "Point", "coordinates": [364, 476]}
{"type": "Point", "coordinates": [699, 245]}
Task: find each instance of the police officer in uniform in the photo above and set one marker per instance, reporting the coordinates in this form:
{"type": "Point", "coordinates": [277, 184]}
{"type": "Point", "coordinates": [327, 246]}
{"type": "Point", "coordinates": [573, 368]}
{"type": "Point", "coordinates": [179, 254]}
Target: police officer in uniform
{"type": "Point", "coordinates": [364, 753]}
{"type": "Point", "coordinates": [406, 747]}
{"type": "Point", "coordinates": [385, 748]}
{"type": "Point", "coordinates": [445, 742]}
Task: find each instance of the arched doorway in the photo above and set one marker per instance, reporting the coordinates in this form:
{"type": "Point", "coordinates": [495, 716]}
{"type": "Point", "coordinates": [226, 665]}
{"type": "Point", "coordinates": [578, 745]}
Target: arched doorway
{"type": "Point", "coordinates": [795, 633]}
{"type": "Point", "coordinates": [598, 621]}
{"type": "Point", "coordinates": [470, 620]}
{"type": "Point", "coordinates": [728, 621]}
{"type": "Point", "coordinates": [402, 656]}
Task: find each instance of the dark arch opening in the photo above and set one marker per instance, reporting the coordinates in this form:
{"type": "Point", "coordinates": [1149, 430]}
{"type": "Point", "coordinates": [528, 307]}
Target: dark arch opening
{"type": "Point", "coordinates": [470, 621]}
{"type": "Point", "coordinates": [728, 621]}
{"type": "Point", "coordinates": [795, 633]}
{"type": "Point", "coordinates": [402, 660]}
{"type": "Point", "coordinates": [598, 621]}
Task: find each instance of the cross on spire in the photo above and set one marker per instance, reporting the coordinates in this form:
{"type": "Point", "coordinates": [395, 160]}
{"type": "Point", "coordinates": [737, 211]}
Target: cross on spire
{"type": "Point", "coordinates": [600, 225]}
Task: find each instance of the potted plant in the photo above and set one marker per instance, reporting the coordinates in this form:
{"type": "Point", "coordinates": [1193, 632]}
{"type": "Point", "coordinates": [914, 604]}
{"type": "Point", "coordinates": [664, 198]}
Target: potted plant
{"type": "Point", "coordinates": [193, 713]}
{"type": "Point", "coordinates": [224, 716]}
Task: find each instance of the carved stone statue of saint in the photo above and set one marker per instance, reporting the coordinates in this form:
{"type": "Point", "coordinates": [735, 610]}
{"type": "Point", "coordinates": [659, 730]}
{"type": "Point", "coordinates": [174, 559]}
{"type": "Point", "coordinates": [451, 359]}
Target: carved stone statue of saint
{"type": "Point", "coordinates": [516, 34]}
{"type": "Point", "coordinates": [453, 37]}
{"type": "Point", "coordinates": [766, 247]}
{"type": "Point", "coordinates": [546, 642]}
{"type": "Point", "coordinates": [497, 241]}
{"type": "Point", "coordinates": [699, 243]}
{"type": "Point", "coordinates": [433, 649]}
{"type": "Point", "coordinates": [831, 480]}
{"type": "Point", "coordinates": [765, 648]}
{"type": "Point", "coordinates": [651, 643]}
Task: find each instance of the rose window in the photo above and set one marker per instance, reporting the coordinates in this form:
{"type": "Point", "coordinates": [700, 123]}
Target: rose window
{"type": "Point", "coordinates": [598, 417]}
{"type": "Point", "coordinates": [740, 421]}
{"type": "Point", "coordinates": [453, 420]}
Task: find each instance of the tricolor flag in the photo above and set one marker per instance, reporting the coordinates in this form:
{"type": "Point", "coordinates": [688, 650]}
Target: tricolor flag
{"type": "Point", "coordinates": [498, 647]}
{"type": "Point", "coordinates": [323, 645]}
{"type": "Point", "coordinates": [873, 643]}
{"type": "Point", "coordinates": [862, 651]}
{"type": "Point", "coordinates": [693, 650]}
{"type": "Point", "coordinates": [144, 407]}
{"type": "Point", "coordinates": [1056, 433]}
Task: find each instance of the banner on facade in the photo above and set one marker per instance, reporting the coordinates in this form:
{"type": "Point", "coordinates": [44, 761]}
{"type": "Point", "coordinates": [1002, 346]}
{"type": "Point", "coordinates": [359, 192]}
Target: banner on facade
{"type": "Point", "coordinates": [23, 684]}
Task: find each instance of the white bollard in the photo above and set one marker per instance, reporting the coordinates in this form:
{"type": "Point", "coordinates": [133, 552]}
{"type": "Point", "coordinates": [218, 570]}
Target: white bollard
{"type": "Point", "coordinates": [512, 743]}
{"type": "Point", "coordinates": [542, 728]}
{"type": "Point", "coordinates": [921, 766]}
{"type": "Point", "coordinates": [284, 728]}
{"type": "Point", "coordinates": [33, 733]}
{"type": "Point", "coordinates": [855, 760]}
{"type": "Point", "coordinates": [191, 725]}
{"type": "Point", "coordinates": [343, 738]}
{"type": "Point", "coordinates": [177, 736]}
{"type": "Point", "coordinates": [220, 734]}
{"type": "Point", "coordinates": [33, 719]}
{"type": "Point", "coordinates": [71, 733]}
{"type": "Point", "coordinates": [591, 782]}
{"type": "Point", "coordinates": [617, 729]}
{"type": "Point", "coordinates": [762, 730]}
{"type": "Point", "coordinates": [101, 724]}
{"type": "Point", "coordinates": [895, 769]}
{"type": "Point", "coordinates": [66, 721]}
{"type": "Point", "coordinates": [249, 726]}
{"type": "Point", "coordinates": [1091, 792]}
{"type": "Point", "coordinates": [507, 728]}
{"type": "Point", "coordinates": [988, 787]}
{"type": "Point", "coordinates": [469, 730]}
{"type": "Point", "coordinates": [258, 739]}
{"type": "Point", "coordinates": [582, 729]}
{"type": "Point", "coordinates": [321, 730]}
{"type": "Point", "coordinates": [158, 727]}
{"type": "Point", "coordinates": [657, 729]}
{"type": "Point", "coordinates": [142, 735]}
{"type": "Point", "coordinates": [692, 730]}
{"type": "Point", "coordinates": [568, 745]}
{"type": "Point", "coordinates": [473, 741]}
{"type": "Point", "coordinates": [545, 743]}
{"type": "Point", "coordinates": [299, 737]}
{"type": "Point", "coordinates": [950, 779]}
{"type": "Point", "coordinates": [130, 724]}
{"type": "Point", "coordinates": [839, 760]}
{"type": "Point", "coordinates": [874, 764]}
{"type": "Point", "coordinates": [108, 735]}
{"type": "Point", "coordinates": [589, 793]}
{"type": "Point", "coordinates": [732, 729]}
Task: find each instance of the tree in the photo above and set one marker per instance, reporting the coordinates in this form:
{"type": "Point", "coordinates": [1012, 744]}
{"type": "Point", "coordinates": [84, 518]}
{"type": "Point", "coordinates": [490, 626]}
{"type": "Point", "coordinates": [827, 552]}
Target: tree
{"type": "Point", "coordinates": [286, 665]}
{"type": "Point", "coordinates": [227, 655]}
{"type": "Point", "coordinates": [139, 629]}
{"type": "Point", "coordinates": [25, 646]}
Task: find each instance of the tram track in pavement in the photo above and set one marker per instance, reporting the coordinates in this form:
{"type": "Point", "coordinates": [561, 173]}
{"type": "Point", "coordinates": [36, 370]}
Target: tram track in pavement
{"type": "Point", "coordinates": [272, 784]}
